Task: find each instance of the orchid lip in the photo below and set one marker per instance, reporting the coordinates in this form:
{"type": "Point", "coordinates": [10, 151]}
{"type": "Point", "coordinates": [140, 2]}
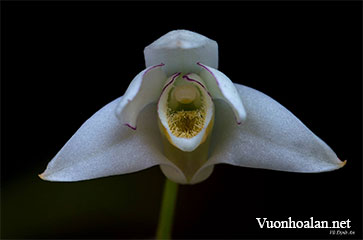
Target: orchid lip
{"type": "Point", "coordinates": [190, 143]}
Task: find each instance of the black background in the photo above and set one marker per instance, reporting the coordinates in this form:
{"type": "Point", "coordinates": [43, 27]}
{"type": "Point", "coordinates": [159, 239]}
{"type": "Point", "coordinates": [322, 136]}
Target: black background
{"type": "Point", "coordinates": [63, 61]}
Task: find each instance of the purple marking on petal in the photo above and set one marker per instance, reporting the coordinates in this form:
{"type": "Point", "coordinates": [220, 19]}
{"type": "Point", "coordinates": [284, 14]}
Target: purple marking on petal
{"type": "Point", "coordinates": [238, 122]}
{"type": "Point", "coordinates": [209, 72]}
{"type": "Point", "coordinates": [235, 118]}
{"type": "Point", "coordinates": [170, 82]}
{"type": "Point", "coordinates": [152, 67]}
{"type": "Point", "coordinates": [130, 100]}
{"type": "Point", "coordinates": [193, 80]}
{"type": "Point", "coordinates": [133, 128]}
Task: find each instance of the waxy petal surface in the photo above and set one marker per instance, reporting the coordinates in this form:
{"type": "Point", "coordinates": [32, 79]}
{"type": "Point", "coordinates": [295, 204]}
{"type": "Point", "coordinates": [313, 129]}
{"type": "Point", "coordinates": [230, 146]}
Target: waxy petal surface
{"type": "Point", "coordinates": [180, 50]}
{"type": "Point", "coordinates": [271, 138]}
{"type": "Point", "coordinates": [221, 87]}
{"type": "Point", "coordinates": [104, 147]}
{"type": "Point", "coordinates": [144, 89]}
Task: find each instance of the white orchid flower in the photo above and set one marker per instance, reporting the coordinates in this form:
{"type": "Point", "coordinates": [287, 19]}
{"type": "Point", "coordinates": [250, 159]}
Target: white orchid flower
{"type": "Point", "coordinates": [185, 115]}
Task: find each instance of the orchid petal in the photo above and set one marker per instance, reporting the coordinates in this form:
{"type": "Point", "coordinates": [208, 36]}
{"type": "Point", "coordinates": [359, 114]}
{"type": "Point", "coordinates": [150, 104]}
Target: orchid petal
{"type": "Point", "coordinates": [221, 87]}
{"type": "Point", "coordinates": [144, 89]}
{"type": "Point", "coordinates": [270, 138]}
{"type": "Point", "coordinates": [180, 50]}
{"type": "Point", "coordinates": [104, 147]}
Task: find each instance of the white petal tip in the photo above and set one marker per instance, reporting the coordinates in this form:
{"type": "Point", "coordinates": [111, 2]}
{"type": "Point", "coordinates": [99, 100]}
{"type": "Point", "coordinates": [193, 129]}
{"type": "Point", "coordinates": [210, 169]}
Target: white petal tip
{"type": "Point", "coordinates": [342, 163]}
{"type": "Point", "coordinates": [241, 117]}
{"type": "Point", "coordinates": [42, 176]}
{"type": "Point", "coordinates": [48, 177]}
{"type": "Point", "coordinates": [332, 166]}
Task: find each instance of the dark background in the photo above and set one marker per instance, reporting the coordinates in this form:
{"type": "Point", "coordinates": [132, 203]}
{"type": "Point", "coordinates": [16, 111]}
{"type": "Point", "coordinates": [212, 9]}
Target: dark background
{"type": "Point", "coordinates": [63, 61]}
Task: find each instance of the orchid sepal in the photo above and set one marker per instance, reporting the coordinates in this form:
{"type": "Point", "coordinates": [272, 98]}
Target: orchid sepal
{"type": "Point", "coordinates": [181, 50]}
{"type": "Point", "coordinates": [270, 138]}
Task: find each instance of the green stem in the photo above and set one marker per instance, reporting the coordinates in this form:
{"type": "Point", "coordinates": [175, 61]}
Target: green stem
{"type": "Point", "coordinates": [167, 210]}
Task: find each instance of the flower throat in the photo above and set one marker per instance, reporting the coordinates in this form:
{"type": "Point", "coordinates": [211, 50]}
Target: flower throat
{"type": "Point", "coordinates": [186, 112]}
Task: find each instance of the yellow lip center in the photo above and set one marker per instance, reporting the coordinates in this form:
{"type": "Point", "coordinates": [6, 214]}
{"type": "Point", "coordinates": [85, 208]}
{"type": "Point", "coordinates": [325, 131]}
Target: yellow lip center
{"type": "Point", "coordinates": [186, 124]}
{"type": "Point", "coordinates": [186, 112]}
